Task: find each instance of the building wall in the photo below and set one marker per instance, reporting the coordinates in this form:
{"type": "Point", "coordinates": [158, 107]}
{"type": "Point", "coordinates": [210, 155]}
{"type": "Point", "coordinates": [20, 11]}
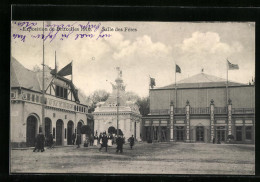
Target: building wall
{"type": "Point", "coordinates": [242, 97]}
{"type": "Point", "coordinates": [21, 109]}
{"type": "Point", "coordinates": [103, 122]}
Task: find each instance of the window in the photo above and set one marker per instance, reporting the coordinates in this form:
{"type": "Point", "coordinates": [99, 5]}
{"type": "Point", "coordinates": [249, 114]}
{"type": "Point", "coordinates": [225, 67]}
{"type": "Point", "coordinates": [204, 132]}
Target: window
{"type": "Point", "coordinates": [28, 96]}
{"type": "Point", "coordinates": [13, 95]}
{"type": "Point", "coordinates": [61, 92]}
{"type": "Point", "coordinates": [65, 93]}
{"type": "Point", "coordinates": [239, 133]}
{"type": "Point", "coordinates": [33, 98]}
{"type": "Point", "coordinates": [37, 98]}
{"type": "Point", "coordinates": [249, 133]}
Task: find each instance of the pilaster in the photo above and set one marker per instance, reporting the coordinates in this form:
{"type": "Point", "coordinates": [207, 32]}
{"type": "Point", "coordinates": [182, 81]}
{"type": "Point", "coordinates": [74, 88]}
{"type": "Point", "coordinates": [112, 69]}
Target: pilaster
{"type": "Point", "coordinates": [229, 116]}
{"type": "Point", "coordinates": [171, 121]}
{"type": "Point", "coordinates": [187, 111]}
{"type": "Point", "coordinates": [212, 120]}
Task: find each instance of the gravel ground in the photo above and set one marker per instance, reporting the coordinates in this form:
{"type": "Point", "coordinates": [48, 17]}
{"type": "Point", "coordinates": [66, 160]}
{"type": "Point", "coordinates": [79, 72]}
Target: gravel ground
{"type": "Point", "coordinates": [157, 158]}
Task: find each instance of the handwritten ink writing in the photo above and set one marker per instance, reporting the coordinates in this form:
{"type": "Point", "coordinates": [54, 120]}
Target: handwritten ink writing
{"type": "Point", "coordinates": [84, 35]}
{"type": "Point", "coordinates": [26, 24]}
{"type": "Point", "coordinates": [64, 35]}
{"type": "Point", "coordinates": [61, 31]}
{"type": "Point", "coordinates": [103, 35]}
{"type": "Point", "coordinates": [22, 37]}
{"type": "Point", "coordinates": [89, 27]}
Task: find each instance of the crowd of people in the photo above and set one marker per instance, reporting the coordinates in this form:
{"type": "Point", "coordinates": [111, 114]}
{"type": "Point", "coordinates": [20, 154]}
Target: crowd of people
{"type": "Point", "coordinates": [105, 140]}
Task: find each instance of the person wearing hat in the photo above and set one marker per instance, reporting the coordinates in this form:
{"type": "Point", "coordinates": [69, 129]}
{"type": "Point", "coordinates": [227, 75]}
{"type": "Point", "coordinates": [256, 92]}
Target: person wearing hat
{"type": "Point", "coordinates": [40, 139]}
{"type": "Point", "coordinates": [119, 143]}
{"type": "Point", "coordinates": [132, 141]}
{"type": "Point", "coordinates": [78, 140]}
{"type": "Point", "coordinates": [50, 141]}
{"type": "Point", "coordinates": [104, 142]}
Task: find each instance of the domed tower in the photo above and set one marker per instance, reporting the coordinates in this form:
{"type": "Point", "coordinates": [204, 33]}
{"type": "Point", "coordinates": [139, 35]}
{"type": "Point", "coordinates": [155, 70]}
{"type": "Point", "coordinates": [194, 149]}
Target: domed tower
{"type": "Point", "coordinates": [127, 113]}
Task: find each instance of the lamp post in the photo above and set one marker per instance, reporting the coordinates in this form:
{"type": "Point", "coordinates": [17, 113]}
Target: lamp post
{"type": "Point", "coordinates": [117, 109]}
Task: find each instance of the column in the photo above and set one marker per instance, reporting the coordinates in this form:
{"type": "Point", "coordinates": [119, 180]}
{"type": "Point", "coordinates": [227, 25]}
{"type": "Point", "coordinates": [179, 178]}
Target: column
{"type": "Point", "coordinates": [171, 121]}
{"type": "Point", "coordinates": [229, 117]}
{"type": "Point", "coordinates": [159, 131]}
{"type": "Point", "coordinates": [211, 120]}
{"type": "Point", "coordinates": [187, 121]}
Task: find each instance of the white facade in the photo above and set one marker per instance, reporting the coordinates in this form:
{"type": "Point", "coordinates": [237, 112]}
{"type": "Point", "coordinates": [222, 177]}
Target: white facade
{"type": "Point", "coordinates": [129, 118]}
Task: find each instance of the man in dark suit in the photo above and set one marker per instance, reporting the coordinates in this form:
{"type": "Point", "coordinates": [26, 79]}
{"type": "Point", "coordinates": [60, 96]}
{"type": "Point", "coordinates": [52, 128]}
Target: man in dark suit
{"type": "Point", "coordinates": [132, 141]}
{"type": "Point", "coordinates": [119, 143]}
{"type": "Point", "coordinates": [40, 139]}
{"type": "Point", "coordinates": [104, 142]}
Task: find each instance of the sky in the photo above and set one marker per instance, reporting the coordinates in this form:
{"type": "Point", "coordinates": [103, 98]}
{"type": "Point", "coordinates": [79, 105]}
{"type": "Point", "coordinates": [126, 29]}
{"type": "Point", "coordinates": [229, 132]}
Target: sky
{"type": "Point", "coordinates": [141, 50]}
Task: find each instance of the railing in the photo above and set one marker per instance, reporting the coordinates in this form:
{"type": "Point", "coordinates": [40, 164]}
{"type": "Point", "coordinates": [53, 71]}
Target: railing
{"type": "Point", "coordinates": [200, 110]}
{"type": "Point", "coordinates": [220, 110]}
{"type": "Point", "coordinates": [179, 110]}
{"type": "Point", "coordinates": [243, 110]}
{"type": "Point", "coordinates": [159, 112]}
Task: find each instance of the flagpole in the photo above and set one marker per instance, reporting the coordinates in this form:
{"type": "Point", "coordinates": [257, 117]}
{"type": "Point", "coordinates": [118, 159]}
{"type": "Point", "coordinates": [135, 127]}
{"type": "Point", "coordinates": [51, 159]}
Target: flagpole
{"type": "Point", "coordinates": [149, 92]}
{"type": "Point", "coordinates": [175, 87]}
{"type": "Point", "coordinates": [43, 90]}
{"type": "Point", "coordinates": [55, 66]}
{"type": "Point", "coordinates": [72, 71]}
{"type": "Point", "coordinates": [227, 84]}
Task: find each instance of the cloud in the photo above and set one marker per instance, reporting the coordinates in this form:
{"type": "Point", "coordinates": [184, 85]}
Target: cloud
{"type": "Point", "coordinates": [208, 42]}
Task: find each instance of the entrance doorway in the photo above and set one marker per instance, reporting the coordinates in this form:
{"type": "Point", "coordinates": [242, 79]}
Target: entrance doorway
{"type": "Point", "coordinates": [31, 130]}
{"type": "Point", "coordinates": [180, 133]}
{"type": "Point", "coordinates": [155, 133]}
{"type": "Point", "coordinates": [47, 127]}
{"type": "Point", "coordinates": [221, 133]}
{"type": "Point", "coordinates": [164, 133]}
{"type": "Point", "coordinates": [79, 125]}
{"type": "Point", "coordinates": [200, 133]}
{"type": "Point", "coordinates": [59, 132]}
{"type": "Point", "coordinates": [70, 128]}
{"type": "Point", "coordinates": [148, 133]}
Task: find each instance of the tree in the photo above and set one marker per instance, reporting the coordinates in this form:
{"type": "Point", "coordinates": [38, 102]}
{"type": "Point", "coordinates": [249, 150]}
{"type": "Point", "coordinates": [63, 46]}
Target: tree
{"type": "Point", "coordinates": [119, 132]}
{"type": "Point", "coordinates": [131, 96]}
{"type": "Point", "coordinates": [85, 129]}
{"type": "Point", "coordinates": [95, 97]}
{"type": "Point", "coordinates": [144, 104]}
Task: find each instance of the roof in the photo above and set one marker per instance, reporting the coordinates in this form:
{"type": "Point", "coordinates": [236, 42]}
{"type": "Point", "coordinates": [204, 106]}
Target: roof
{"type": "Point", "coordinates": [201, 80]}
{"type": "Point", "coordinates": [23, 77]}
{"type": "Point", "coordinates": [32, 80]}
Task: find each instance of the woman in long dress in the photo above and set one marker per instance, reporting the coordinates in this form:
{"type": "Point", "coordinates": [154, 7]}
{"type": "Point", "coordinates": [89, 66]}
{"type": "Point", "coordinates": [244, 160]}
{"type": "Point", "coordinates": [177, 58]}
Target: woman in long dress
{"type": "Point", "coordinates": [95, 140]}
{"type": "Point", "coordinates": [109, 140]}
{"type": "Point", "coordinates": [100, 138]}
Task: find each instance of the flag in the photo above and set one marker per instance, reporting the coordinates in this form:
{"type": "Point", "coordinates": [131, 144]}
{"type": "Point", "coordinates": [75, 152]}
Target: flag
{"type": "Point", "coordinates": [152, 82]}
{"type": "Point", "coordinates": [67, 70]}
{"type": "Point", "coordinates": [178, 69]}
{"type": "Point", "coordinates": [53, 72]}
{"type": "Point", "coordinates": [232, 66]}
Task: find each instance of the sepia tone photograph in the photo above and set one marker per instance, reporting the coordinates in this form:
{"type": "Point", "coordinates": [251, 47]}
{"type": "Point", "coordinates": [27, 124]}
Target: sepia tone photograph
{"type": "Point", "coordinates": [128, 97]}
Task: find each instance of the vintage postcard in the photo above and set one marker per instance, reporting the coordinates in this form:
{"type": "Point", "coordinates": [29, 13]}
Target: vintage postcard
{"type": "Point", "coordinates": [120, 97]}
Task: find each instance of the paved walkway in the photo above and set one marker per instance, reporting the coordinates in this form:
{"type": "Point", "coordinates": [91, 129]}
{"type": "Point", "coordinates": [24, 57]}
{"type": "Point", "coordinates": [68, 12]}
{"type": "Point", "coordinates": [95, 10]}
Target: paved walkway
{"type": "Point", "coordinates": [157, 158]}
